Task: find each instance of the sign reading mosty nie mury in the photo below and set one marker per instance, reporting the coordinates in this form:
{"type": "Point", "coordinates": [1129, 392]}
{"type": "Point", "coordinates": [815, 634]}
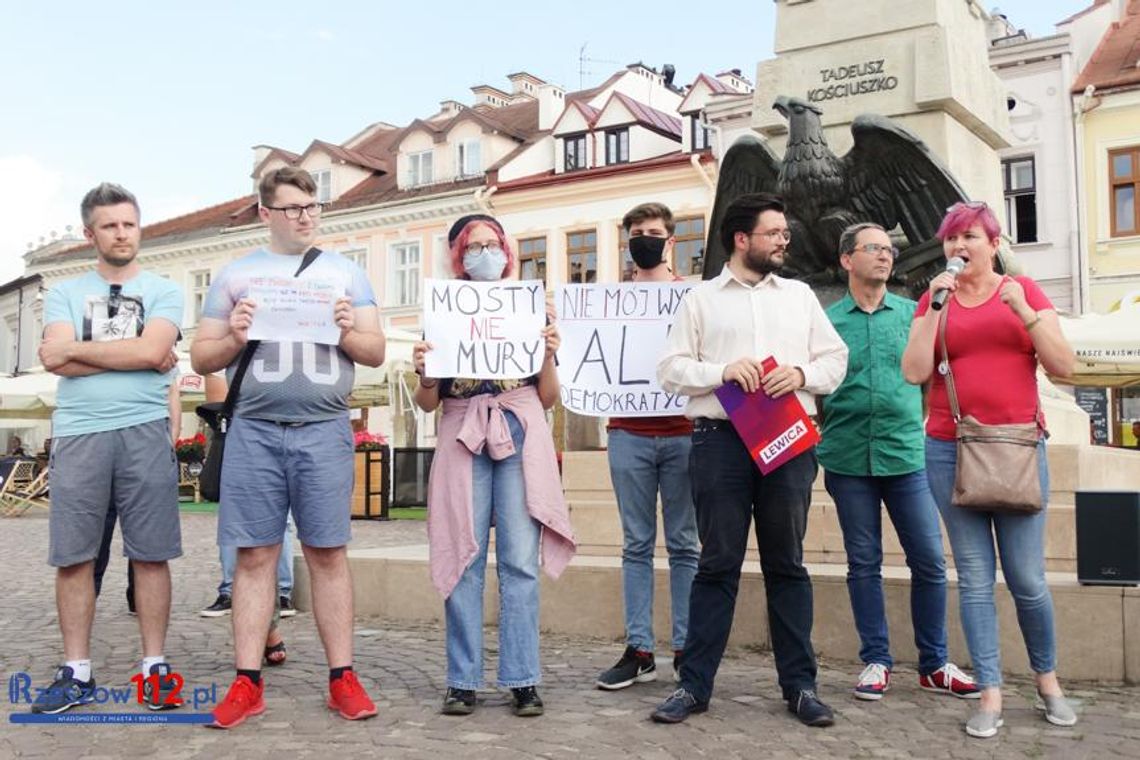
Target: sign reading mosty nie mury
{"type": "Point", "coordinates": [853, 79]}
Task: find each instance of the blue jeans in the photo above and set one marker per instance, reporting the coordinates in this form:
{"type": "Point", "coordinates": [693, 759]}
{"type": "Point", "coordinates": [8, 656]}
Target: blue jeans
{"type": "Point", "coordinates": [228, 557]}
{"type": "Point", "coordinates": [915, 517]}
{"type": "Point", "coordinates": [1021, 541]}
{"type": "Point", "coordinates": [499, 496]}
{"type": "Point", "coordinates": [639, 466]}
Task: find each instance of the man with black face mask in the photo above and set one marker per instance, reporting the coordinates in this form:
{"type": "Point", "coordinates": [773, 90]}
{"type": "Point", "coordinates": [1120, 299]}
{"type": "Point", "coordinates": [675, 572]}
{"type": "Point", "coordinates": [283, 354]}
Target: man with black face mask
{"type": "Point", "coordinates": [647, 455]}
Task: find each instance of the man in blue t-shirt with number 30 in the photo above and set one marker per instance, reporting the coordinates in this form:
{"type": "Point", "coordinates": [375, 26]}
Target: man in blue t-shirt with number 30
{"type": "Point", "coordinates": [289, 446]}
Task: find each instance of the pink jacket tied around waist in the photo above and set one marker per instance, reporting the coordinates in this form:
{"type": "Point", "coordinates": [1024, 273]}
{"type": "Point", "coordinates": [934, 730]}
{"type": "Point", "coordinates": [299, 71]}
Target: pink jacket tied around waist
{"type": "Point", "coordinates": [469, 426]}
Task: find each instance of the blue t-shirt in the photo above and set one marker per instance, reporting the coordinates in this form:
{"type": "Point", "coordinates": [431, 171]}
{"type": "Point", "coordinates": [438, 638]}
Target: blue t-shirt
{"type": "Point", "coordinates": [113, 399]}
{"type": "Point", "coordinates": [289, 381]}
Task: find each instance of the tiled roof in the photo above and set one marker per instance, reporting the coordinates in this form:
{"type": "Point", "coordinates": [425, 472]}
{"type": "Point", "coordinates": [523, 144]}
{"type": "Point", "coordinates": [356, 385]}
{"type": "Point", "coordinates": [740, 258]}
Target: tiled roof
{"type": "Point", "coordinates": [1114, 64]}
{"type": "Point", "coordinates": [355, 157]}
{"type": "Point", "coordinates": [647, 116]}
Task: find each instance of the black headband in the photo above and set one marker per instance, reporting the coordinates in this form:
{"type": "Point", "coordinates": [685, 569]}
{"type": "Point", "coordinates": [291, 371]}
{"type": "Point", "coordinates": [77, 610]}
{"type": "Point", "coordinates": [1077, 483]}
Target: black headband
{"type": "Point", "coordinates": [463, 221]}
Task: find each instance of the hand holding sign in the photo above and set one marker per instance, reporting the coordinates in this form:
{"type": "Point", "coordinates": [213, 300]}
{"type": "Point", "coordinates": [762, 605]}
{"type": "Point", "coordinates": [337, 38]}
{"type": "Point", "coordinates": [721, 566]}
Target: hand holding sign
{"type": "Point", "coordinates": [241, 318]}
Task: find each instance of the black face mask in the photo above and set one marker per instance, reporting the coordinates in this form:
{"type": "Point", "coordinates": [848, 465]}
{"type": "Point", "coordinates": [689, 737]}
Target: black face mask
{"type": "Point", "coordinates": [647, 252]}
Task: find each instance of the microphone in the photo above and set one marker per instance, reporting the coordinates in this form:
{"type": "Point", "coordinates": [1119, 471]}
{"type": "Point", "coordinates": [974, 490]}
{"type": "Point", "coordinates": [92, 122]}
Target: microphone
{"type": "Point", "coordinates": [954, 266]}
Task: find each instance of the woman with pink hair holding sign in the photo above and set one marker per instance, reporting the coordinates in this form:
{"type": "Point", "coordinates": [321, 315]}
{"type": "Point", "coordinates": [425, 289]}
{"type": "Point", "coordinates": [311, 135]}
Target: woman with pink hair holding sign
{"type": "Point", "coordinates": [494, 464]}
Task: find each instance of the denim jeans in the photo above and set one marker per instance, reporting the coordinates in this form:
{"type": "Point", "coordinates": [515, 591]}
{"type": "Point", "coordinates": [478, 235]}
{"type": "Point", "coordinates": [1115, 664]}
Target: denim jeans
{"type": "Point", "coordinates": [227, 555]}
{"type": "Point", "coordinates": [915, 517]}
{"type": "Point", "coordinates": [1020, 541]}
{"type": "Point", "coordinates": [640, 465]}
{"type": "Point", "coordinates": [729, 493]}
{"type": "Point", "coordinates": [498, 496]}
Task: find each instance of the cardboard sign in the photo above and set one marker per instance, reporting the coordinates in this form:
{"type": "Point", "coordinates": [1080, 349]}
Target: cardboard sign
{"type": "Point", "coordinates": [487, 330]}
{"type": "Point", "coordinates": [774, 429]}
{"type": "Point", "coordinates": [300, 311]}
{"type": "Point", "coordinates": [612, 338]}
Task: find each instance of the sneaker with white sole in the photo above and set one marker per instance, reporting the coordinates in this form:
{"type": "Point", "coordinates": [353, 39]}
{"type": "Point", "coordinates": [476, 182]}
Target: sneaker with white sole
{"type": "Point", "coordinates": [949, 679]}
{"type": "Point", "coordinates": [983, 724]}
{"type": "Point", "coordinates": [1057, 709]}
{"type": "Point", "coordinates": [873, 682]}
{"type": "Point", "coordinates": [634, 666]}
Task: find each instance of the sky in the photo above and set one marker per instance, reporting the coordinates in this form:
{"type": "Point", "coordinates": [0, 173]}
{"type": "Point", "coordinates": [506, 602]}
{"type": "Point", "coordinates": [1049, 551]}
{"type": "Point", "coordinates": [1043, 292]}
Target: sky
{"type": "Point", "coordinates": [168, 99]}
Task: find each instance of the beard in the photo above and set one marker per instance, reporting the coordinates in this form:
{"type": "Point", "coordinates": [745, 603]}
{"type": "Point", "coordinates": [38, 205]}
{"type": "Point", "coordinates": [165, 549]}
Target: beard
{"type": "Point", "coordinates": [762, 263]}
{"type": "Point", "coordinates": [116, 259]}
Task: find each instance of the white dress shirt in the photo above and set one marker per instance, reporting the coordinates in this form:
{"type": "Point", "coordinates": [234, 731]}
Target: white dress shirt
{"type": "Point", "coordinates": [726, 319]}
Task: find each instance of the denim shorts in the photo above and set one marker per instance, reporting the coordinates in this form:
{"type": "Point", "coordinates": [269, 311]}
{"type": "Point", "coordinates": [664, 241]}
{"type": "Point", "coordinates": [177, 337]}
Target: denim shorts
{"type": "Point", "coordinates": [272, 468]}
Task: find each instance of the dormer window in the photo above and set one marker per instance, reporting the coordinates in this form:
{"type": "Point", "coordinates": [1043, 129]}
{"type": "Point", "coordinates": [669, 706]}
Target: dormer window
{"type": "Point", "coordinates": [617, 146]}
{"type": "Point", "coordinates": [700, 134]}
{"type": "Point", "coordinates": [323, 178]}
{"type": "Point", "coordinates": [574, 152]}
{"type": "Point", "coordinates": [420, 168]}
{"type": "Point", "coordinates": [468, 159]}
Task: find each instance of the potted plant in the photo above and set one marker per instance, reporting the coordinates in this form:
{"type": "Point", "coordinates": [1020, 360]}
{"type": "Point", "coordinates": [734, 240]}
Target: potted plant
{"type": "Point", "coordinates": [191, 450]}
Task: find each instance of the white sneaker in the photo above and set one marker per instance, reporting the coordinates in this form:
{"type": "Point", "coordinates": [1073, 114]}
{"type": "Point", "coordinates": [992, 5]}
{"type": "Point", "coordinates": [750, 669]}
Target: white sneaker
{"type": "Point", "coordinates": [873, 682]}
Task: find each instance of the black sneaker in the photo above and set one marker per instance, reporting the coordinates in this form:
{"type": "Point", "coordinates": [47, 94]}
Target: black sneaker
{"type": "Point", "coordinates": [458, 701]}
{"type": "Point", "coordinates": [810, 710]}
{"type": "Point", "coordinates": [65, 692]}
{"type": "Point", "coordinates": [287, 608]}
{"type": "Point", "coordinates": [165, 697]}
{"type": "Point", "coordinates": [680, 705]}
{"type": "Point", "coordinates": [526, 702]}
{"type": "Point", "coordinates": [220, 607]}
{"type": "Point", "coordinates": [634, 667]}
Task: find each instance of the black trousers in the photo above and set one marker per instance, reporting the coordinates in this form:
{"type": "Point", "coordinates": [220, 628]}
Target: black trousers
{"type": "Point", "coordinates": [730, 493]}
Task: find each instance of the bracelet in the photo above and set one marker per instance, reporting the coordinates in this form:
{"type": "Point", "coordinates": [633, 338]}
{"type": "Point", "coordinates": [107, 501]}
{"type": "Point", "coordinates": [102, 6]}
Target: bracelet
{"type": "Point", "coordinates": [1032, 324]}
{"type": "Point", "coordinates": [425, 385]}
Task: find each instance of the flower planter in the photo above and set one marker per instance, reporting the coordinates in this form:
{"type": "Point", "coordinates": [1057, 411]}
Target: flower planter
{"type": "Point", "coordinates": [370, 484]}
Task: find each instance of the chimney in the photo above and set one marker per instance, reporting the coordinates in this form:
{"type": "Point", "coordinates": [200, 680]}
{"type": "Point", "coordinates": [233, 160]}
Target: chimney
{"type": "Point", "coordinates": [448, 108]}
{"type": "Point", "coordinates": [551, 103]}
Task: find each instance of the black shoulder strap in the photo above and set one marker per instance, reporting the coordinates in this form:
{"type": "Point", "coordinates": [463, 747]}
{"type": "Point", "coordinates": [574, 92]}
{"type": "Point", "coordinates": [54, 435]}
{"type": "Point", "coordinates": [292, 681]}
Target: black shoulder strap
{"type": "Point", "coordinates": [251, 346]}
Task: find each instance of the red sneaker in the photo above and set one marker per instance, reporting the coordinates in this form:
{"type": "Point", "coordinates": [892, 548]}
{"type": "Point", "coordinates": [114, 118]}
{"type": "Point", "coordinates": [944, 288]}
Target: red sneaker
{"type": "Point", "coordinates": [348, 698]}
{"type": "Point", "coordinates": [243, 700]}
{"type": "Point", "coordinates": [950, 680]}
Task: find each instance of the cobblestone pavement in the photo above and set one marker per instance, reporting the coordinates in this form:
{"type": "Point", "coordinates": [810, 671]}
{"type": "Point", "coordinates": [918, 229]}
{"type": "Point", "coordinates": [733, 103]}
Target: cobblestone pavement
{"type": "Point", "coordinates": [403, 668]}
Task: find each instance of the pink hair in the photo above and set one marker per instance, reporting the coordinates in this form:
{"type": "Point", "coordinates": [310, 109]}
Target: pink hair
{"type": "Point", "coordinates": [962, 216]}
{"type": "Point", "coordinates": [459, 247]}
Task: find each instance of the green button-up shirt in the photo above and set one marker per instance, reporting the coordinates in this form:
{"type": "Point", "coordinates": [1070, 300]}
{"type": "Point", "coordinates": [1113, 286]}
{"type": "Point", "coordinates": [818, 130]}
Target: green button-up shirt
{"type": "Point", "coordinates": [872, 423]}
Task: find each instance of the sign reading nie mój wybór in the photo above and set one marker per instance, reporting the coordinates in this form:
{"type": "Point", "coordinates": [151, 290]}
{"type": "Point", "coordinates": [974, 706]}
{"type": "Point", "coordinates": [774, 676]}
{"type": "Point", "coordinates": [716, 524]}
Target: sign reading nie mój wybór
{"type": "Point", "coordinates": [489, 330]}
{"type": "Point", "coordinates": [612, 338]}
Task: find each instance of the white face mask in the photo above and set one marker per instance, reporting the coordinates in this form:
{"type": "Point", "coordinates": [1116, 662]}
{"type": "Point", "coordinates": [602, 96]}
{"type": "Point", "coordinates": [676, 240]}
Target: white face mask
{"type": "Point", "coordinates": [486, 264]}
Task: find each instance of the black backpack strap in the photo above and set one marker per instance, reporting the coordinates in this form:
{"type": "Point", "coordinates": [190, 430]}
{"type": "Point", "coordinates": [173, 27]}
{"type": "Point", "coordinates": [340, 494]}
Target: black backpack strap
{"type": "Point", "coordinates": [310, 256]}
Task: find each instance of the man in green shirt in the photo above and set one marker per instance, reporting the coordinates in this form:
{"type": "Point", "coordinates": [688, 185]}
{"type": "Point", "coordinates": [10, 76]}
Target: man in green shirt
{"type": "Point", "coordinates": [872, 452]}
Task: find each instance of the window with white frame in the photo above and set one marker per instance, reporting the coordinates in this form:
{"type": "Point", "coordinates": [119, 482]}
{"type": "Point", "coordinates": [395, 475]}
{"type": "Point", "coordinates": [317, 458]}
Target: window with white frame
{"type": "Point", "coordinates": [323, 178]}
{"type": "Point", "coordinates": [199, 286]}
{"type": "Point", "coordinates": [358, 256]}
{"type": "Point", "coordinates": [469, 161]}
{"type": "Point", "coordinates": [419, 168]}
{"type": "Point", "coordinates": [405, 288]}
{"type": "Point", "coordinates": [1019, 180]}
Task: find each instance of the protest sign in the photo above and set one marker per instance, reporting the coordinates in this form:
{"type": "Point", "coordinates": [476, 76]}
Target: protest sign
{"type": "Point", "coordinates": [300, 311]}
{"type": "Point", "coordinates": [612, 338]}
{"type": "Point", "coordinates": [487, 330]}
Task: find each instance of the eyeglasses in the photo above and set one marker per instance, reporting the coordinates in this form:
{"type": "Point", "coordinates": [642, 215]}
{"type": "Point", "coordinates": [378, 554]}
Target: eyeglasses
{"type": "Point", "coordinates": [114, 301]}
{"type": "Point", "coordinates": [876, 248]}
{"type": "Point", "coordinates": [477, 248]}
{"type": "Point", "coordinates": [972, 205]}
{"type": "Point", "coordinates": [293, 213]}
{"type": "Point", "coordinates": [774, 236]}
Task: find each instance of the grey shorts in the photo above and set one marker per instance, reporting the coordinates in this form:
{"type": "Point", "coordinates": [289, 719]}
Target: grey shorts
{"type": "Point", "coordinates": [271, 468]}
{"type": "Point", "coordinates": [135, 469]}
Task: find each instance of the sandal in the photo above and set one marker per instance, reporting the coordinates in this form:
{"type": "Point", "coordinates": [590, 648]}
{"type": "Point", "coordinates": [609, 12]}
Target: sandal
{"type": "Point", "coordinates": [275, 655]}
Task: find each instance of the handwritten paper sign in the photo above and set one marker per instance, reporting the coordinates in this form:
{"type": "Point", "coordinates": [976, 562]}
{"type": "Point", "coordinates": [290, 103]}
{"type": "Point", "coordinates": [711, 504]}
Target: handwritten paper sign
{"type": "Point", "coordinates": [489, 330]}
{"type": "Point", "coordinates": [612, 338]}
{"type": "Point", "coordinates": [300, 311]}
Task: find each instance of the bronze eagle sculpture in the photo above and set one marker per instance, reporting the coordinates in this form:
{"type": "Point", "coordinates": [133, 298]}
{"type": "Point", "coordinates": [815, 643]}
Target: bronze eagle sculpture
{"type": "Point", "coordinates": [888, 177]}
